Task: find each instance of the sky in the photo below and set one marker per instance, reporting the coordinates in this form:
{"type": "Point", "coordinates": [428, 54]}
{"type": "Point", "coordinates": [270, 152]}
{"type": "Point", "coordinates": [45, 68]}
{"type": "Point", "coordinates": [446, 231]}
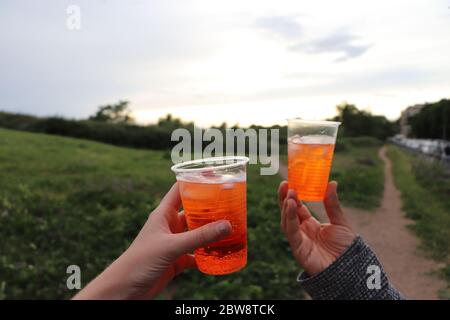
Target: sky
{"type": "Point", "coordinates": [210, 61]}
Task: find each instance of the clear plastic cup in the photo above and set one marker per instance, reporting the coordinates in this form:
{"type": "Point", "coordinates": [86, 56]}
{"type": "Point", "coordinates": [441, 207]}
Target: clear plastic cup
{"type": "Point", "coordinates": [214, 189]}
{"type": "Point", "coordinates": [310, 155]}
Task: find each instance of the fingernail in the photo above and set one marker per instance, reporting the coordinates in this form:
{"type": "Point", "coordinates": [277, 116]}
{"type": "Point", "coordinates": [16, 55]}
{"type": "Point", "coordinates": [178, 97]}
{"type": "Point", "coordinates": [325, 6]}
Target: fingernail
{"type": "Point", "coordinates": [223, 227]}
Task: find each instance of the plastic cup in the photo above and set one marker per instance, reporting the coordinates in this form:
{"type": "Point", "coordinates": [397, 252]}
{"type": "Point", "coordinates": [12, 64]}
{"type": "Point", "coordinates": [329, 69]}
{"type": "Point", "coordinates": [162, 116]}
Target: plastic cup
{"type": "Point", "coordinates": [310, 155]}
{"type": "Point", "coordinates": [214, 189]}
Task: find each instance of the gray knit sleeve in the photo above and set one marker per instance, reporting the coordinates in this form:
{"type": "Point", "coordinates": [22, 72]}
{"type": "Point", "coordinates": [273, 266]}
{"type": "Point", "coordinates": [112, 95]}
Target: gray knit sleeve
{"type": "Point", "coordinates": [353, 276]}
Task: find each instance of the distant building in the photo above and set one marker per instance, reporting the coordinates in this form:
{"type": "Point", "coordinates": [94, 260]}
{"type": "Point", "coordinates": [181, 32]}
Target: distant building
{"type": "Point", "coordinates": [405, 127]}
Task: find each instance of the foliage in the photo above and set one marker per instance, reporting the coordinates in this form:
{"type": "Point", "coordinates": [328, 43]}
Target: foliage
{"type": "Point", "coordinates": [169, 123]}
{"type": "Point", "coordinates": [65, 201]}
{"type": "Point", "coordinates": [357, 122]}
{"type": "Point", "coordinates": [433, 121]}
{"type": "Point", "coordinates": [345, 143]}
{"type": "Point", "coordinates": [359, 172]}
{"type": "Point", "coordinates": [157, 137]}
{"type": "Point", "coordinates": [113, 124]}
{"type": "Point", "coordinates": [114, 113]}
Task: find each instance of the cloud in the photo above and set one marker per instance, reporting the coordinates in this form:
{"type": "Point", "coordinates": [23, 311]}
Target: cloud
{"type": "Point", "coordinates": [291, 30]}
{"type": "Point", "coordinates": [340, 41]}
{"type": "Point", "coordinates": [284, 26]}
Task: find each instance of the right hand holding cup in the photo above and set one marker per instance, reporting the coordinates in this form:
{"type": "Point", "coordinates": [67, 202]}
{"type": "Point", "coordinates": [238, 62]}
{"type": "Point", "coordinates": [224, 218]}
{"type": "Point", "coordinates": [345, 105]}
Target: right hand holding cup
{"type": "Point", "coordinates": [314, 245]}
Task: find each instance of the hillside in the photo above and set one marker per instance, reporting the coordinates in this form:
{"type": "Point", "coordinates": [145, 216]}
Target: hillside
{"type": "Point", "coordinates": [66, 201]}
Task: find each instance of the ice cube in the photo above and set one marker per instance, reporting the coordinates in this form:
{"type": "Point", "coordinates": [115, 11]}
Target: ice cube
{"type": "Point", "coordinates": [196, 194]}
{"type": "Point", "coordinates": [228, 186]}
{"type": "Point", "coordinates": [295, 139]}
{"type": "Point", "coordinates": [228, 181]}
{"type": "Point", "coordinates": [317, 139]}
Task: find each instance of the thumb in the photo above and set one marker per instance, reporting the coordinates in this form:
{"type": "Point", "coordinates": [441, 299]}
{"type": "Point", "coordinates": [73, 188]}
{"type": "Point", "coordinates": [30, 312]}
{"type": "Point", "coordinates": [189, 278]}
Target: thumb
{"type": "Point", "coordinates": [202, 236]}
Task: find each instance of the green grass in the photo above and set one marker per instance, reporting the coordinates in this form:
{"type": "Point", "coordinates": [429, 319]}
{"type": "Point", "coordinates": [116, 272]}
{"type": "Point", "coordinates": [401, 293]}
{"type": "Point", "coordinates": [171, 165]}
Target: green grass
{"type": "Point", "coordinates": [66, 201]}
{"type": "Point", "coordinates": [425, 189]}
{"type": "Point", "coordinates": [359, 173]}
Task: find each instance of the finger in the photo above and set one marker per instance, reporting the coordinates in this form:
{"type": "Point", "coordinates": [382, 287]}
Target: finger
{"type": "Point", "coordinates": [177, 221]}
{"type": "Point", "coordinates": [332, 205]}
{"type": "Point", "coordinates": [303, 212]}
{"type": "Point", "coordinates": [293, 232]}
{"type": "Point", "coordinates": [282, 192]}
{"type": "Point", "coordinates": [182, 224]}
{"type": "Point", "coordinates": [290, 194]}
{"type": "Point", "coordinates": [189, 241]}
{"type": "Point", "coordinates": [172, 200]}
{"type": "Point", "coordinates": [283, 216]}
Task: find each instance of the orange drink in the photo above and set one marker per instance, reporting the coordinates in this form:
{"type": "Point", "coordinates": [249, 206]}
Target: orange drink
{"type": "Point", "coordinates": [310, 155]}
{"type": "Point", "coordinates": [215, 189]}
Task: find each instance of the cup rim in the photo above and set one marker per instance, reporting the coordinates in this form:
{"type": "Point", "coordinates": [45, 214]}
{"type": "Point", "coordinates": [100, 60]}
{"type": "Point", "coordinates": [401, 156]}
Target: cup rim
{"type": "Point", "coordinates": [317, 122]}
{"type": "Point", "coordinates": [241, 161]}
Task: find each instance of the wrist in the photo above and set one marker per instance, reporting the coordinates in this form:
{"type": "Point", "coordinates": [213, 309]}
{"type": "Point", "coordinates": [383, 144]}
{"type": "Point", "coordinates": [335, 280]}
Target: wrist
{"type": "Point", "coordinates": [111, 284]}
{"type": "Point", "coordinates": [346, 240]}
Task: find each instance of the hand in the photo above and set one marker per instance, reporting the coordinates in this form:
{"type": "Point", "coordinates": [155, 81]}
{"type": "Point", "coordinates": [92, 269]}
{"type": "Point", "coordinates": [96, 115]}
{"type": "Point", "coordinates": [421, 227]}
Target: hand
{"type": "Point", "coordinates": [314, 245]}
{"type": "Point", "coordinates": [160, 252]}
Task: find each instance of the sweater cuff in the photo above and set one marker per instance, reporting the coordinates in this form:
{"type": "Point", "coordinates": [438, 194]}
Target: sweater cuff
{"type": "Point", "coordinates": [347, 278]}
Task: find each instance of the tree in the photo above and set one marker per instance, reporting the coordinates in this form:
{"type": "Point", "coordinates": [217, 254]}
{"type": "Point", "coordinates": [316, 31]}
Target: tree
{"type": "Point", "coordinates": [170, 123]}
{"type": "Point", "coordinates": [114, 113]}
{"type": "Point", "coordinates": [357, 122]}
{"type": "Point", "coordinates": [433, 121]}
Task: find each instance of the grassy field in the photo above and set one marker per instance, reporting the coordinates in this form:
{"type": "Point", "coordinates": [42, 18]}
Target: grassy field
{"type": "Point", "coordinates": [66, 201]}
{"type": "Point", "coordinates": [359, 172]}
{"type": "Point", "coordinates": [425, 189]}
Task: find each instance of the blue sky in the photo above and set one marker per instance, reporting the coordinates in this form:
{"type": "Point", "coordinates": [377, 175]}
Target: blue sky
{"type": "Point", "coordinates": [213, 61]}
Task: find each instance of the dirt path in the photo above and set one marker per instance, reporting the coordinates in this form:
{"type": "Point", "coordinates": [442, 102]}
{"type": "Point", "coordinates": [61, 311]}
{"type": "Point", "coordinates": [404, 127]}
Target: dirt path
{"type": "Point", "coordinates": [385, 230]}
